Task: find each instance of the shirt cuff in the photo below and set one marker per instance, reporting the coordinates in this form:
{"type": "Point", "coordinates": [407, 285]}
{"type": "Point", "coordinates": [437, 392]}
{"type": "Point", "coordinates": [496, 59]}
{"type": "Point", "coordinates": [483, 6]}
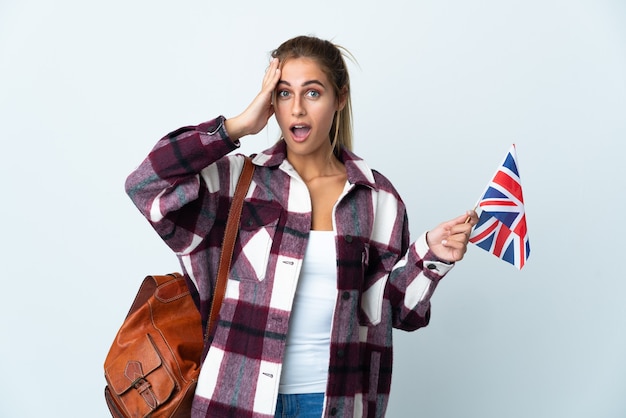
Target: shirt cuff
{"type": "Point", "coordinates": [430, 260]}
{"type": "Point", "coordinates": [218, 127]}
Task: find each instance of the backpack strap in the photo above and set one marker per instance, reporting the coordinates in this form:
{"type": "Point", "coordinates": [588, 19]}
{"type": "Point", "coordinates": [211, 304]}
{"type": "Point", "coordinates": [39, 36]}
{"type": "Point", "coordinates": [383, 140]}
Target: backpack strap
{"type": "Point", "coordinates": [228, 245]}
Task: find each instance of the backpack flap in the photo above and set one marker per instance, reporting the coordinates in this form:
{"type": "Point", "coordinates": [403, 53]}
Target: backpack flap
{"type": "Point", "coordinates": [129, 377]}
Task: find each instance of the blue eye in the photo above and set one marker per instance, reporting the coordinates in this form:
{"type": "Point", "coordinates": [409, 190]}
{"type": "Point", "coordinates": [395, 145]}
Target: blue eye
{"type": "Point", "coordinates": [313, 93]}
{"type": "Point", "coordinates": [282, 94]}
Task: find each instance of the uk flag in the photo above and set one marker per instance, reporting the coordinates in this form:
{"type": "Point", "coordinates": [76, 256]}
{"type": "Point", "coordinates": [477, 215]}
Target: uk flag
{"type": "Point", "coordinates": [501, 227]}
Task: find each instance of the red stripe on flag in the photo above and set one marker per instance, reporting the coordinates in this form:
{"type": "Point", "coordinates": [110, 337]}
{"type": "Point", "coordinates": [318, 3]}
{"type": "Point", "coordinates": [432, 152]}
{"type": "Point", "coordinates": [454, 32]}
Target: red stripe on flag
{"type": "Point", "coordinates": [485, 233]}
{"type": "Point", "coordinates": [510, 184]}
{"type": "Point", "coordinates": [501, 237]}
{"type": "Point", "coordinates": [520, 228]}
{"type": "Point", "coordinates": [493, 202]}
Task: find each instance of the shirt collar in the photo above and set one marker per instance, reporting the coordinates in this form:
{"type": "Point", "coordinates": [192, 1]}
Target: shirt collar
{"type": "Point", "coordinates": [357, 170]}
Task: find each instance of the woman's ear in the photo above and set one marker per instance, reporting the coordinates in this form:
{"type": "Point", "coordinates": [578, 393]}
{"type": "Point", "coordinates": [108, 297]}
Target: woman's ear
{"type": "Point", "coordinates": [343, 98]}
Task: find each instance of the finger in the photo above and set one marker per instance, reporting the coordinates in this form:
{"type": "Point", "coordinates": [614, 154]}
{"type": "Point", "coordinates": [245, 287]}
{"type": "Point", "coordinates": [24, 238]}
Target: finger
{"type": "Point", "coordinates": [458, 242]}
{"type": "Point", "coordinates": [446, 228]}
{"type": "Point", "coordinates": [464, 228]}
{"type": "Point", "coordinates": [458, 233]}
{"type": "Point", "coordinates": [472, 217]}
{"type": "Point", "coordinates": [271, 67]}
{"type": "Point", "coordinates": [271, 75]}
{"type": "Point", "coordinates": [275, 78]}
{"type": "Point", "coordinates": [459, 220]}
{"type": "Point", "coordinates": [454, 244]}
{"type": "Point", "coordinates": [268, 75]}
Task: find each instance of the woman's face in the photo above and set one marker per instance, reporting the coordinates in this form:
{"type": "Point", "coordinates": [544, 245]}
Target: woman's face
{"type": "Point", "coordinates": [304, 106]}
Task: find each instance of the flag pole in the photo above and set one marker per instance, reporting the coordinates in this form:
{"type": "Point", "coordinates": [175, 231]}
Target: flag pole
{"type": "Point", "coordinates": [476, 205]}
{"type": "Point", "coordinates": [469, 217]}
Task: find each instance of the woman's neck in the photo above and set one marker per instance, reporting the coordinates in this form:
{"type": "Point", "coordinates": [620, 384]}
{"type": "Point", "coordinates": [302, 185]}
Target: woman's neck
{"type": "Point", "coordinates": [325, 179]}
{"type": "Point", "coordinates": [314, 167]}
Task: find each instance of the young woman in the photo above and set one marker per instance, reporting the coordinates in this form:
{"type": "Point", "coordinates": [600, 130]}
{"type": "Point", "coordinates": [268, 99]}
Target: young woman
{"type": "Point", "coordinates": [323, 268]}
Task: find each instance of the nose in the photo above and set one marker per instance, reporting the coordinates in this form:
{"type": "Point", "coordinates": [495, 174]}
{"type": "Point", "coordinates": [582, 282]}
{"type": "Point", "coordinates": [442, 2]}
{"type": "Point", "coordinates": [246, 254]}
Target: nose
{"type": "Point", "coordinates": [297, 108]}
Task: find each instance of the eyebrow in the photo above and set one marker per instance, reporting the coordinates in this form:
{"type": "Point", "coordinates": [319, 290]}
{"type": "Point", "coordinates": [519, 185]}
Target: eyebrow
{"type": "Point", "coordinates": [305, 84]}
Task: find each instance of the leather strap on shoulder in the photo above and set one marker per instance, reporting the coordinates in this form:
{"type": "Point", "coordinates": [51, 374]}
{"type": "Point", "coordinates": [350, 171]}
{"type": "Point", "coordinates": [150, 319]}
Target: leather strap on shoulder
{"type": "Point", "coordinates": [228, 245]}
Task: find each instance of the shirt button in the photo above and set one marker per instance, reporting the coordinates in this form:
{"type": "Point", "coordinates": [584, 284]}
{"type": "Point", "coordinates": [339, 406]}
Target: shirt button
{"type": "Point", "coordinates": [431, 267]}
{"type": "Point", "coordinates": [348, 238]}
{"type": "Point", "coordinates": [340, 353]}
{"type": "Point", "coordinates": [333, 411]}
{"type": "Point", "coordinates": [345, 295]}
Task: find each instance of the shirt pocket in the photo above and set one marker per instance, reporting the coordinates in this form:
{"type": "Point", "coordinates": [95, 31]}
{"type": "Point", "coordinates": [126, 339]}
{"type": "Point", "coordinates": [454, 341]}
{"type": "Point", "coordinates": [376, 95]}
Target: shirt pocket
{"type": "Point", "coordinates": [257, 231]}
{"type": "Point", "coordinates": [373, 288]}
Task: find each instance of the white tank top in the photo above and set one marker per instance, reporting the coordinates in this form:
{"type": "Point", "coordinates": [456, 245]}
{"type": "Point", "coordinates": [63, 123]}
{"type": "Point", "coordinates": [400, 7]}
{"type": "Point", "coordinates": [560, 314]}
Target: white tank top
{"type": "Point", "coordinates": [307, 353]}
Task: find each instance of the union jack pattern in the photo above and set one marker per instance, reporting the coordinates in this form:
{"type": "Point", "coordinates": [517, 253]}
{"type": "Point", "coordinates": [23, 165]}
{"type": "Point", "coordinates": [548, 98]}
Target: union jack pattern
{"type": "Point", "coordinates": [501, 227]}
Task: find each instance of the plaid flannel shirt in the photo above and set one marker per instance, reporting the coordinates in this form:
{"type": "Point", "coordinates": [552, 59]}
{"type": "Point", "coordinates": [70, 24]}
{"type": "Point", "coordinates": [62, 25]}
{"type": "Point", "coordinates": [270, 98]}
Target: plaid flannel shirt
{"type": "Point", "coordinates": [184, 188]}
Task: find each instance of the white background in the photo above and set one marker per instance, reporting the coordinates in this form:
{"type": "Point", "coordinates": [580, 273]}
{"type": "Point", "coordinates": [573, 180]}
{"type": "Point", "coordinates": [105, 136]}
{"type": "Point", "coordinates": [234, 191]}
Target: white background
{"type": "Point", "coordinates": [441, 90]}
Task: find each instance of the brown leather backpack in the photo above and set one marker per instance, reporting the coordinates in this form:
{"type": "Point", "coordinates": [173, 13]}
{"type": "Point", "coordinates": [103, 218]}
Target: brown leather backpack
{"type": "Point", "coordinates": [154, 360]}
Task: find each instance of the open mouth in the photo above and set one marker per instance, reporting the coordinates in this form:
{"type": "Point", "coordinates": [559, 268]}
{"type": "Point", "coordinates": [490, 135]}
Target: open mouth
{"type": "Point", "coordinates": [300, 131]}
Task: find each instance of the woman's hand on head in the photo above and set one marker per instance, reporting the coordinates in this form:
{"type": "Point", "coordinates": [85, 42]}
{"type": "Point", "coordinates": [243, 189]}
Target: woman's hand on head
{"type": "Point", "coordinates": [256, 115]}
{"type": "Point", "coordinates": [448, 241]}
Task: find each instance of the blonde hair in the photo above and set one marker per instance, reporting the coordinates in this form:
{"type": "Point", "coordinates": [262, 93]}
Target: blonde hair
{"type": "Point", "coordinates": [330, 58]}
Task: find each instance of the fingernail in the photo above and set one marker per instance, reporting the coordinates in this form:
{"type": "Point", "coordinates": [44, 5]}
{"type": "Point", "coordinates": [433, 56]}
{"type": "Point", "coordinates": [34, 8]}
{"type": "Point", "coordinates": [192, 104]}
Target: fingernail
{"type": "Point", "coordinates": [444, 242]}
